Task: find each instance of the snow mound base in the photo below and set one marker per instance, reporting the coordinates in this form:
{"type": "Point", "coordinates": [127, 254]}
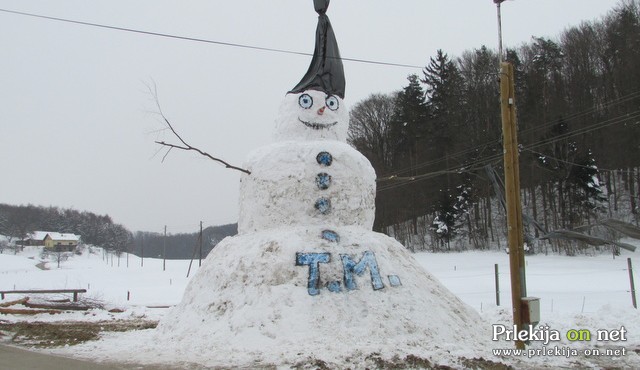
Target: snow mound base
{"type": "Point", "coordinates": [257, 300]}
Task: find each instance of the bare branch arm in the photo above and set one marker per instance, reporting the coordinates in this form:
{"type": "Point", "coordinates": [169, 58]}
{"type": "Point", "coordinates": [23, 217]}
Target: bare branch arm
{"type": "Point", "coordinates": [185, 145]}
{"type": "Point", "coordinates": [189, 147]}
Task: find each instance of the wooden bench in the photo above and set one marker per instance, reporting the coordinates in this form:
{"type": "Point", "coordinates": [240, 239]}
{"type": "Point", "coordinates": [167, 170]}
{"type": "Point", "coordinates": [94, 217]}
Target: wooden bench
{"type": "Point", "coordinates": [45, 291]}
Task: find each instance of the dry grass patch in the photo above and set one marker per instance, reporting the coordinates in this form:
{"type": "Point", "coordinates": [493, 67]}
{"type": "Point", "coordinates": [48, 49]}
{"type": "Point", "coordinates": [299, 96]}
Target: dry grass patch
{"type": "Point", "coordinates": [57, 334]}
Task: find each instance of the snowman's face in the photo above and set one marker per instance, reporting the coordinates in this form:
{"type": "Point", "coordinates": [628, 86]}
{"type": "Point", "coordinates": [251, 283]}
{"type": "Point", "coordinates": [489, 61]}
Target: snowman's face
{"type": "Point", "coordinates": [312, 115]}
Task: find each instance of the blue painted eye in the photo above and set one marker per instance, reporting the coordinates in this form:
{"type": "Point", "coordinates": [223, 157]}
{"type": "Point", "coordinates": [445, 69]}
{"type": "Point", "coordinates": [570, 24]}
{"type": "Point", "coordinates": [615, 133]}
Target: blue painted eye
{"type": "Point", "coordinates": [324, 158]}
{"type": "Point", "coordinates": [305, 101]}
{"type": "Point", "coordinates": [323, 205]}
{"type": "Point", "coordinates": [332, 102]}
{"type": "Point", "coordinates": [323, 180]}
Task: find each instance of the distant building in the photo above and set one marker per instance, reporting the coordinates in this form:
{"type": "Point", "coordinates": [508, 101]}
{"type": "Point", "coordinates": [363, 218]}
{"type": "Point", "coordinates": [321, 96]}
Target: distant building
{"type": "Point", "coordinates": [36, 238]}
{"type": "Point", "coordinates": [61, 242]}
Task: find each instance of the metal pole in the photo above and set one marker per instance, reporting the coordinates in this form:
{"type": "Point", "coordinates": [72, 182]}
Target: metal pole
{"type": "Point", "coordinates": [164, 249]}
{"type": "Point", "coordinates": [498, 2]}
{"type": "Point", "coordinates": [497, 285]}
{"type": "Point", "coordinates": [141, 250]}
{"type": "Point", "coordinates": [633, 286]}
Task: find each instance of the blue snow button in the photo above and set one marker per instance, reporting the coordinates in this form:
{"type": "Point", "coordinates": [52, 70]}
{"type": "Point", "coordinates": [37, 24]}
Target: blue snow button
{"type": "Point", "coordinates": [331, 236]}
{"type": "Point", "coordinates": [324, 158]}
{"type": "Point", "coordinates": [323, 205]}
{"type": "Point", "coordinates": [323, 180]}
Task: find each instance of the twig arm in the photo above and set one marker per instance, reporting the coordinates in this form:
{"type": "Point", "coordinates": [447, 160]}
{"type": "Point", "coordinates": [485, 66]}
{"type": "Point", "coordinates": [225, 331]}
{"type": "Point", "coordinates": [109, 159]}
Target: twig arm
{"type": "Point", "coordinates": [185, 145]}
{"type": "Point", "coordinates": [189, 147]}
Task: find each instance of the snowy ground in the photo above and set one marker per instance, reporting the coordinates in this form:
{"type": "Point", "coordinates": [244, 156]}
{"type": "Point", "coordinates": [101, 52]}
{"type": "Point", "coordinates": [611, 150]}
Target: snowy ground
{"type": "Point", "coordinates": [577, 293]}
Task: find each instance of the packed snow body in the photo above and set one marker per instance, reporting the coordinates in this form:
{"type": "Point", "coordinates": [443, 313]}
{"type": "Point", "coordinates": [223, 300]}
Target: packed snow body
{"type": "Point", "coordinates": [250, 304]}
{"type": "Point", "coordinates": [287, 181]}
{"type": "Point", "coordinates": [305, 279]}
{"type": "Point", "coordinates": [310, 166]}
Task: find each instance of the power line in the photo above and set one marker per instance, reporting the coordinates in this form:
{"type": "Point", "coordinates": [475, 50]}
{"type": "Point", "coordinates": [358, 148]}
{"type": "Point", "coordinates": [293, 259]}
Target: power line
{"type": "Point", "coordinates": [195, 39]}
{"type": "Point", "coordinates": [392, 175]}
{"type": "Point", "coordinates": [482, 161]}
{"type": "Point", "coordinates": [599, 169]}
{"type": "Point", "coordinates": [612, 121]}
{"type": "Point", "coordinates": [608, 104]}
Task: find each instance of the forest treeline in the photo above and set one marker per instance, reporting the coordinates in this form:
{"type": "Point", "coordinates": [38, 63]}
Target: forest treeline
{"type": "Point", "coordinates": [436, 143]}
{"type": "Point", "coordinates": [17, 222]}
{"type": "Point", "coordinates": [180, 246]}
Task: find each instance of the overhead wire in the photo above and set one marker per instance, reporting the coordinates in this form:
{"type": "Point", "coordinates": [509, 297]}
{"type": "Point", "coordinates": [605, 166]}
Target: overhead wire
{"type": "Point", "coordinates": [540, 127]}
{"type": "Point", "coordinates": [466, 151]}
{"type": "Point", "coordinates": [576, 115]}
{"type": "Point", "coordinates": [587, 129]}
{"type": "Point", "coordinates": [474, 165]}
{"type": "Point", "coordinates": [599, 169]}
{"type": "Point", "coordinates": [544, 125]}
{"type": "Point", "coordinates": [202, 40]}
{"type": "Point", "coordinates": [480, 162]}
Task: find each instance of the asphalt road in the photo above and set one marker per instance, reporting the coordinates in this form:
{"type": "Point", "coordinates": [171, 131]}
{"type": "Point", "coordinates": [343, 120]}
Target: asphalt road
{"type": "Point", "coordinates": [12, 358]}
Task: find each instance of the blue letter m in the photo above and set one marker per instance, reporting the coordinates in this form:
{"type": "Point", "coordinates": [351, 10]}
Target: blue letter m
{"type": "Point", "coordinates": [368, 260]}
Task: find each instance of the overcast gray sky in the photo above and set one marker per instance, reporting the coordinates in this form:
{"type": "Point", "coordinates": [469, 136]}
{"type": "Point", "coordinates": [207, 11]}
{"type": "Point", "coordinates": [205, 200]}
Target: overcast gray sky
{"type": "Point", "coordinates": [78, 125]}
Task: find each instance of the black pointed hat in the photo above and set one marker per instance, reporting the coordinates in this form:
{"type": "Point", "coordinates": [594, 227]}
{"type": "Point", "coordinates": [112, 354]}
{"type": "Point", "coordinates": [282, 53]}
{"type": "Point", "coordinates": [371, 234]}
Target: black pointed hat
{"type": "Point", "coordinates": [325, 72]}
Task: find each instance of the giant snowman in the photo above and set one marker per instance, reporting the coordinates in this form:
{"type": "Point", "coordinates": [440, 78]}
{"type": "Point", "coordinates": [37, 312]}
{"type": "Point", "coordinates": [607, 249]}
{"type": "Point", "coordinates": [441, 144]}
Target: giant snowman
{"type": "Point", "coordinates": [307, 279]}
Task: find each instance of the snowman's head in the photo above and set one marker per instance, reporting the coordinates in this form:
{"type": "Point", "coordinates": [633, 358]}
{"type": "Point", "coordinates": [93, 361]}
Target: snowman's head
{"type": "Point", "coordinates": [312, 115]}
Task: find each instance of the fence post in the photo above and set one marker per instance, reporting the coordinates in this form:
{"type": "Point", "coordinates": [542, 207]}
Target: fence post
{"type": "Point", "coordinates": [497, 286]}
{"type": "Point", "coordinates": [633, 287]}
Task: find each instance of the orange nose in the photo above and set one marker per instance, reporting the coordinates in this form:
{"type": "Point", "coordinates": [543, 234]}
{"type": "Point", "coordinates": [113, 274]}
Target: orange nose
{"type": "Point", "coordinates": [321, 111]}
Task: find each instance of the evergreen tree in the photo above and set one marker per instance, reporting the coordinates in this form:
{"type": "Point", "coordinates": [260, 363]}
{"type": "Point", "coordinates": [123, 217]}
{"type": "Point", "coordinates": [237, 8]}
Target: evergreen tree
{"type": "Point", "coordinates": [444, 94]}
{"type": "Point", "coordinates": [444, 223]}
{"type": "Point", "coordinates": [444, 85]}
{"type": "Point", "coordinates": [407, 134]}
{"type": "Point", "coordinates": [584, 176]}
{"type": "Point", "coordinates": [409, 123]}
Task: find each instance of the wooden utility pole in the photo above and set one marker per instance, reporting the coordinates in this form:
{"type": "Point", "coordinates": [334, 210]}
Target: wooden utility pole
{"type": "Point", "coordinates": [512, 195]}
{"type": "Point", "coordinates": [164, 249]}
{"type": "Point", "coordinates": [515, 235]}
{"type": "Point", "coordinates": [193, 255]}
{"type": "Point", "coordinates": [141, 250]}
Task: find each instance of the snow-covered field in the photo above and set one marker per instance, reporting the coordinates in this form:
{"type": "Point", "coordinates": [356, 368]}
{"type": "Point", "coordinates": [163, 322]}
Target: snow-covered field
{"type": "Point", "coordinates": [577, 293]}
